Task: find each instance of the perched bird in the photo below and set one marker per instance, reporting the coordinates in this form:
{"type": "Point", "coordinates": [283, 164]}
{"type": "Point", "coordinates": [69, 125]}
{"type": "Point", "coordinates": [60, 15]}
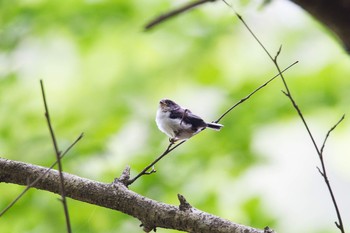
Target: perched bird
{"type": "Point", "coordinates": [179, 123]}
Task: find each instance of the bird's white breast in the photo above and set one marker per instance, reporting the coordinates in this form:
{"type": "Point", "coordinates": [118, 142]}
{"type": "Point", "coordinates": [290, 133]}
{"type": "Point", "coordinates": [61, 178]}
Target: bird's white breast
{"type": "Point", "coordinates": [168, 125]}
{"type": "Point", "coordinates": [165, 123]}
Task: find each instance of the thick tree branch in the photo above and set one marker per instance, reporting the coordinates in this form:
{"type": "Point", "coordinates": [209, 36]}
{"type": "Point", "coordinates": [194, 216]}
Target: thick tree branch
{"type": "Point", "coordinates": [335, 14]}
{"type": "Point", "coordinates": [116, 196]}
{"type": "Point", "coordinates": [29, 185]}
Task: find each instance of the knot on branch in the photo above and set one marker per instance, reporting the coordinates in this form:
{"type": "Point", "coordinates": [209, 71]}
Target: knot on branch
{"type": "Point", "coordinates": [148, 228]}
{"type": "Point", "coordinates": [268, 230]}
{"type": "Point", "coordinates": [184, 205]}
{"type": "Point", "coordinates": [124, 177]}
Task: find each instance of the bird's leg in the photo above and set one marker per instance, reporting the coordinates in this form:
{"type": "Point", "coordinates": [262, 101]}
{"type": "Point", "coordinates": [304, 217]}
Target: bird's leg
{"type": "Point", "coordinates": [173, 140]}
{"type": "Point", "coordinates": [184, 115]}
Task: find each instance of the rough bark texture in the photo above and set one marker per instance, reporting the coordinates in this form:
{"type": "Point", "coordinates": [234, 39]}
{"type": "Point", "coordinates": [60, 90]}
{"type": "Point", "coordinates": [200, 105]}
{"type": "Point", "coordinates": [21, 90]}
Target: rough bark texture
{"type": "Point", "coordinates": [116, 196]}
{"type": "Point", "coordinates": [335, 14]}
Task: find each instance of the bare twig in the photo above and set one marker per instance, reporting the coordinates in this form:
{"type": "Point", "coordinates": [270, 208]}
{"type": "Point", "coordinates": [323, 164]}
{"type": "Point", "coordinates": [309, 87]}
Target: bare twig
{"type": "Point", "coordinates": [38, 178]}
{"type": "Point", "coordinates": [329, 132]}
{"type": "Point", "coordinates": [174, 13]}
{"type": "Point", "coordinates": [58, 158]}
{"type": "Point", "coordinates": [171, 147]}
{"type": "Point", "coordinates": [288, 93]}
{"type": "Point", "coordinates": [252, 93]}
{"type": "Point", "coordinates": [145, 170]}
{"type": "Point", "coordinates": [339, 224]}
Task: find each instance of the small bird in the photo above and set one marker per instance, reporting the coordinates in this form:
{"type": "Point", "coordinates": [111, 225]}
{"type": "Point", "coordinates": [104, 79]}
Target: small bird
{"type": "Point", "coordinates": [179, 123]}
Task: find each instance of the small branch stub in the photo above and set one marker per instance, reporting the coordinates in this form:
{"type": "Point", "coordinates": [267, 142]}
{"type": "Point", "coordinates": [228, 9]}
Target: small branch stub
{"type": "Point", "coordinates": [146, 228]}
{"type": "Point", "coordinates": [268, 230]}
{"type": "Point", "coordinates": [184, 205]}
{"type": "Point", "coordinates": [124, 177]}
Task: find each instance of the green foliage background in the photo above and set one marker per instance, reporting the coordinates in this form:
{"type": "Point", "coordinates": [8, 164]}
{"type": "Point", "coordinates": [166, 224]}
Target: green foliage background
{"type": "Point", "coordinates": [104, 76]}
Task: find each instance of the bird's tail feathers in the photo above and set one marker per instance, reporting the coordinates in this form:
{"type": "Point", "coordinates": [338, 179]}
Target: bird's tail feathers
{"type": "Point", "coordinates": [215, 126]}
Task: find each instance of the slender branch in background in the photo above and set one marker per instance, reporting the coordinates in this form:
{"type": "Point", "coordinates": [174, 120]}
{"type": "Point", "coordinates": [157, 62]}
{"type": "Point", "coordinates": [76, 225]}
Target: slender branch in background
{"type": "Point", "coordinates": [58, 158]}
{"type": "Point", "coordinates": [171, 147]}
{"type": "Point", "coordinates": [248, 96]}
{"type": "Point", "coordinates": [323, 173]}
{"type": "Point", "coordinates": [174, 13]}
{"type": "Point", "coordinates": [288, 93]}
{"type": "Point", "coordinates": [32, 184]}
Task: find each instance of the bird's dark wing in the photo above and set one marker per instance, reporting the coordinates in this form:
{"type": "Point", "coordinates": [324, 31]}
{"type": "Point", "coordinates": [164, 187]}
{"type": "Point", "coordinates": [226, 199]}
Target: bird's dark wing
{"type": "Point", "coordinates": [187, 117]}
{"type": "Point", "coordinates": [177, 113]}
{"type": "Point", "coordinates": [195, 120]}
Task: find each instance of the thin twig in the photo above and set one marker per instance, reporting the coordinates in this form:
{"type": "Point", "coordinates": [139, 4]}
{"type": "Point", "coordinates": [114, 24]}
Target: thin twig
{"type": "Point", "coordinates": [329, 132]}
{"type": "Point", "coordinates": [159, 20]}
{"type": "Point", "coordinates": [252, 93]}
{"type": "Point", "coordinates": [38, 178]}
{"type": "Point", "coordinates": [170, 148]}
{"type": "Point", "coordinates": [145, 170]}
{"type": "Point", "coordinates": [58, 158]}
{"type": "Point", "coordinates": [174, 12]}
{"type": "Point", "coordinates": [324, 175]}
{"type": "Point", "coordinates": [289, 95]}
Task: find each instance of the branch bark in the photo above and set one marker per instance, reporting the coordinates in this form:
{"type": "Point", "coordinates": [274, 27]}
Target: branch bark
{"type": "Point", "coordinates": [118, 197]}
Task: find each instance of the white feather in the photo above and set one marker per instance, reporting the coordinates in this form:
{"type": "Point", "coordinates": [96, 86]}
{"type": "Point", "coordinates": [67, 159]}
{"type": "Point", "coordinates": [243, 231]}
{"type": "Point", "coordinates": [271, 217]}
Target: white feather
{"type": "Point", "coordinates": [168, 125]}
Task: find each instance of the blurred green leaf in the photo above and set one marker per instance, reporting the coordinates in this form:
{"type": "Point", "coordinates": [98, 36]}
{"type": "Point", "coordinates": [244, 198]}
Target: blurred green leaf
{"type": "Point", "coordinates": [104, 76]}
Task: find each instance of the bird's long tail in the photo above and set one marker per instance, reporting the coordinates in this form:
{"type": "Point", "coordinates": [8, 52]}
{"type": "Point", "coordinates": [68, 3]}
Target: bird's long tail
{"type": "Point", "coordinates": [215, 126]}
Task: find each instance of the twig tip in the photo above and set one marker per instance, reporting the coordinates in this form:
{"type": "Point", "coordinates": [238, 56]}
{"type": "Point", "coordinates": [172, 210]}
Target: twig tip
{"type": "Point", "coordinates": [337, 224]}
{"type": "Point", "coordinates": [319, 170]}
{"type": "Point", "coordinates": [278, 53]}
{"type": "Point", "coordinates": [81, 136]}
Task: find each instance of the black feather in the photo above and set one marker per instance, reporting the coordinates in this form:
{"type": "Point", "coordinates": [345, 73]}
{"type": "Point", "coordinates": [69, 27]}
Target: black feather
{"type": "Point", "coordinates": [187, 117]}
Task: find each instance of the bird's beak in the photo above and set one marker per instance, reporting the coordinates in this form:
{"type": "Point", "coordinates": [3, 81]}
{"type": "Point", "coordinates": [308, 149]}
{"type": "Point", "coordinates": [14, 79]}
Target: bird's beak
{"type": "Point", "coordinates": [162, 103]}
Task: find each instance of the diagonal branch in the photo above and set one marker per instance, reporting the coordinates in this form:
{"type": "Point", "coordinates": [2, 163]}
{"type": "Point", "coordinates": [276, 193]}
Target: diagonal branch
{"type": "Point", "coordinates": [58, 158]}
{"type": "Point", "coordinates": [39, 178]}
{"type": "Point", "coordinates": [333, 14]}
{"type": "Point", "coordinates": [174, 13]}
{"type": "Point", "coordinates": [339, 224]}
{"type": "Point", "coordinates": [171, 146]}
{"type": "Point", "coordinates": [116, 196]}
{"type": "Point", "coordinates": [145, 170]}
{"type": "Point", "coordinates": [288, 93]}
{"type": "Point", "coordinates": [252, 93]}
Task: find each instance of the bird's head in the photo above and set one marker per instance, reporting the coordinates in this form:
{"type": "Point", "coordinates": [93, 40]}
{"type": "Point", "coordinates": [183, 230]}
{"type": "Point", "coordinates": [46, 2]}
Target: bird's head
{"type": "Point", "coordinates": [167, 105]}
